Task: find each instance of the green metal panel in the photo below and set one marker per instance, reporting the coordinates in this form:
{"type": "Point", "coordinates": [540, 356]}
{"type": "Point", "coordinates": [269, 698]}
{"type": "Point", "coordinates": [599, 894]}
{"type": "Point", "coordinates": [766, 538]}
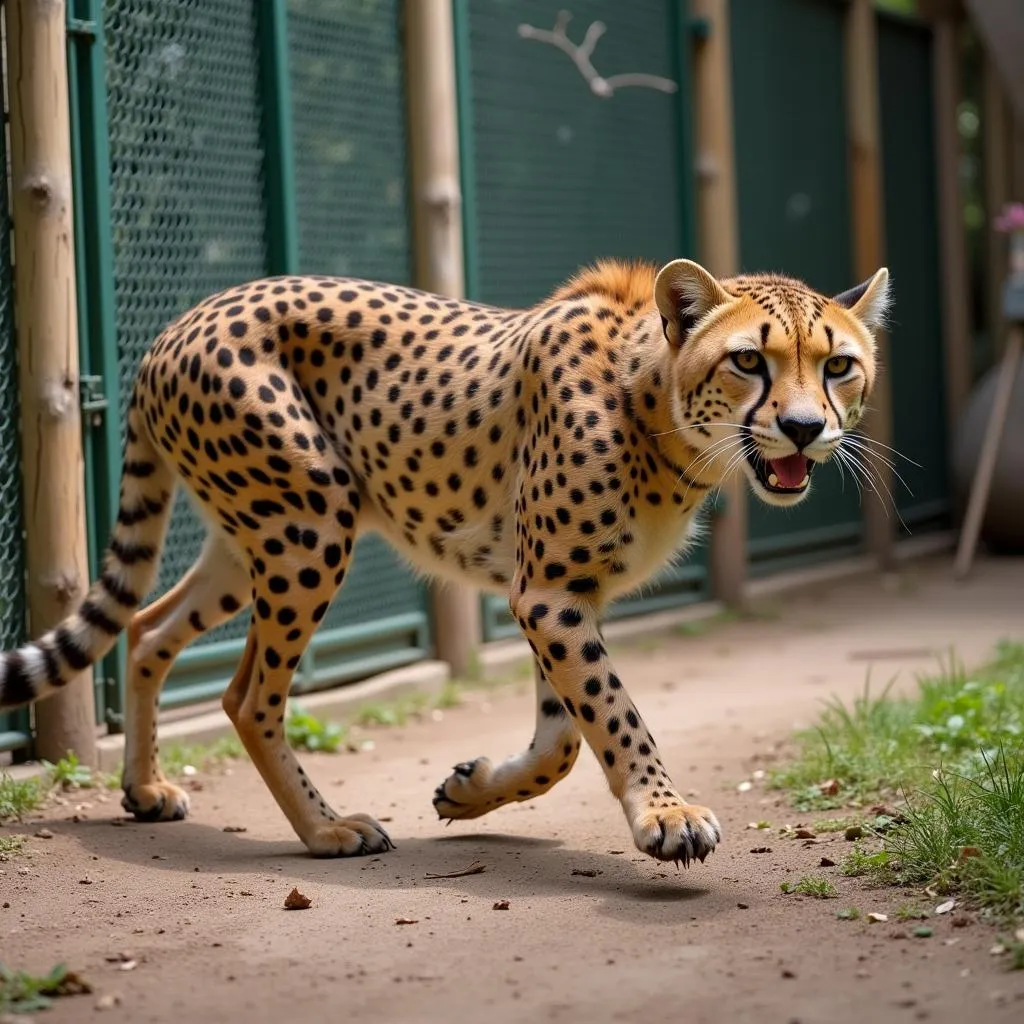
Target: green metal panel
{"type": "Point", "coordinates": [555, 176]}
{"type": "Point", "coordinates": [352, 208]}
{"type": "Point", "coordinates": [793, 192]}
{"type": "Point", "coordinates": [183, 121]}
{"type": "Point", "coordinates": [912, 245]}
{"type": "Point", "coordinates": [14, 728]}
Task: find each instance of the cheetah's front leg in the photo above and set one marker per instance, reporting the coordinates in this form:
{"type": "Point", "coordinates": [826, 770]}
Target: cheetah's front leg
{"type": "Point", "coordinates": [476, 787]}
{"type": "Point", "coordinates": [564, 631]}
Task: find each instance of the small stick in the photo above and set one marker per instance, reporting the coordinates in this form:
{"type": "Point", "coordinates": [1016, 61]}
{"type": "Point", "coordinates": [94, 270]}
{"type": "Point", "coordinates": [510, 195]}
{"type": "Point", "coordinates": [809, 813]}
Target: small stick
{"type": "Point", "coordinates": [476, 868]}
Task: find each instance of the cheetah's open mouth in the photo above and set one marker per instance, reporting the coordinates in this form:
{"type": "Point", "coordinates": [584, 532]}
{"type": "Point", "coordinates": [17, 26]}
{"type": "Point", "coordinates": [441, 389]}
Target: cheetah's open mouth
{"type": "Point", "coordinates": [788, 475]}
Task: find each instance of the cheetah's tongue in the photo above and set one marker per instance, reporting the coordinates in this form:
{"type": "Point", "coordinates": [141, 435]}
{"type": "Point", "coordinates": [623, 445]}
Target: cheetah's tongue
{"type": "Point", "coordinates": [790, 471]}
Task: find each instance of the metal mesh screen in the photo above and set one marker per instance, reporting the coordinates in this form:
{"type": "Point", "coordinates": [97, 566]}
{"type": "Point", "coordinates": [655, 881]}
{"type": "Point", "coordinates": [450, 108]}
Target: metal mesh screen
{"type": "Point", "coordinates": [350, 172]}
{"type": "Point", "coordinates": [564, 176]}
{"type": "Point", "coordinates": [12, 566]}
{"type": "Point", "coordinates": [186, 182]}
{"type": "Point", "coordinates": [794, 214]}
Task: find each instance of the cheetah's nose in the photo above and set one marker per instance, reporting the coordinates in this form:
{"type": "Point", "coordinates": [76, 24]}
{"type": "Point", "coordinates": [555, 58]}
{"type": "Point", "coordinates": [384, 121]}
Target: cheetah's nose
{"type": "Point", "coordinates": [801, 432]}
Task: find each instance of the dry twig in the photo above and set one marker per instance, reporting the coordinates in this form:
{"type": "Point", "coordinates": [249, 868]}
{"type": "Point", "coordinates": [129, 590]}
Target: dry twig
{"type": "Point", "coordinates": [476, 868]}
{"type": "Point", "coordinates": [580, 56]}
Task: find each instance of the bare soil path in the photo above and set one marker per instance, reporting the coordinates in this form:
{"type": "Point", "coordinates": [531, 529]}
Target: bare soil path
{"type": "Point", "coordinates": [593, 931]}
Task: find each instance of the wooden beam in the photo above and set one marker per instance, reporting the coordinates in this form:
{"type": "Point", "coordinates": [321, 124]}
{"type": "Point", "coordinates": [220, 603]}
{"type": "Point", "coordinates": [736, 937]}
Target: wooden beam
{"type": "Point", "coordinates": [47, 325]}
{"type": "Point", "coordinates": [867, 212]}
{"type": "Point", "coordinates": [437, 230]}
{"type": "Point", "coordinates": [956, 287]}
{"type": "Point", "coordinates": [718, 246]}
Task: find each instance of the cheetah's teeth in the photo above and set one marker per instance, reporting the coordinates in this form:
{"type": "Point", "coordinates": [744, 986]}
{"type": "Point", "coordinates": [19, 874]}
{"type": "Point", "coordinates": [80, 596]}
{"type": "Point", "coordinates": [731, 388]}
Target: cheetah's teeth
{"type": "Point", "coordinates": [806, 479]}
{"type": "Point", "coordinates": [773, 480]}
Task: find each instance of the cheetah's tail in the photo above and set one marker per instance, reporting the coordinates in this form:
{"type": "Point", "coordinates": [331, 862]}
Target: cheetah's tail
{"type": "Point", "coordinates": [42, 667]}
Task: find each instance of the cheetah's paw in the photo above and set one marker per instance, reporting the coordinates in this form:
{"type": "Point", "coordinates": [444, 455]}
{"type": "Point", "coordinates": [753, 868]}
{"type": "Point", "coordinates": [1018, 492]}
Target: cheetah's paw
{"type": "Point", "coordinates": [463, 794]}
{"type": "Point", "coordinates": [684, 833]}
{"type": "Point", "coordinates": [155, 801]}
{"type": "Point", "coordinates": [354, 836]}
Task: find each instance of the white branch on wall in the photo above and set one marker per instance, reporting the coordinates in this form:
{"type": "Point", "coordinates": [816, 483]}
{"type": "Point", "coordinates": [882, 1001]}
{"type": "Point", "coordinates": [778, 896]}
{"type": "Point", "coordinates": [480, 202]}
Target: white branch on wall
{"type": "Point", "coordinates": [580, 56]}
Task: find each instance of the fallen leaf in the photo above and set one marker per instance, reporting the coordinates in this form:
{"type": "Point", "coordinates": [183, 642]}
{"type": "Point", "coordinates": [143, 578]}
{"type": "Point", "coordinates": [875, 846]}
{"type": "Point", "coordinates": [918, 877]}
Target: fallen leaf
{"type": "Point", "coordinates": [761, 849]}
{"type": "Point", "coordinates": [85, 881]}
{"type": "Point", "coordinates": [743, 906]}
{"type": "Point", "coordinates": [968, 852]}
{"type": "Point", "coordinates": [296, 901]}
{"type": "Point", "coordinates": [825, 862]}
{"type": "Point", "coordinates": [878, 917]}
{"type": "Point", "coordinates": [586, 872]}
{"type": "Point", "coordinates": [406, 920]}
{"type": "Point", "coordinates": [805, 833]}
{"type": "Point", "coordinates": [234, 828]}
{"type": "Point", "coordinates": [476, 868]}
{"type": "Point", "coordinates": [828, 788]}
{"type": "Point", "coordinates": [945, 908]}
{"type": "Point", "coordinates": [501, 905]}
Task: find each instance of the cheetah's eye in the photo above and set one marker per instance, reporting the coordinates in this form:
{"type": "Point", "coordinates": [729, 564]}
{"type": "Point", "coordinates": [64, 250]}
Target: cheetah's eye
{"type": "Point", "coordinates": [748, 361]}
{"type": "Point", "coordinates": [838, 366]}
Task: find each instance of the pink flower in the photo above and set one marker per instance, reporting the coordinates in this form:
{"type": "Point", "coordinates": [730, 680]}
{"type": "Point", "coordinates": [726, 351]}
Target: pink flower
{"type": "Point", "coordinates": [1010, 219]}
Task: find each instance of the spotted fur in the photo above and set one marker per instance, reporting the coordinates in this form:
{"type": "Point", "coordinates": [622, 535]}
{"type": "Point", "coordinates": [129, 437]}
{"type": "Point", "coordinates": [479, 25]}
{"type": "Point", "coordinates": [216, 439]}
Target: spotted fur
{"type": "Point", "coordinates": [557, 455]}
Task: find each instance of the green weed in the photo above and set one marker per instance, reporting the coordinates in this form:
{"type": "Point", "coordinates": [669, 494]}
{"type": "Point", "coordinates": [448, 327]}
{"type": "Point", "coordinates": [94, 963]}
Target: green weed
{"type": "Point", "coordinates": [175, 758]}
{"type": "Point", "coordinates": [21, 992]}
{"type": "Point", "coordinates": [19, 797]}
{"type": "Point", "coordinates": [305, 731]}
{"type": "Point", "coordinates": [10, 845]}
{"type": "Point", "coordinates": [811, 885]}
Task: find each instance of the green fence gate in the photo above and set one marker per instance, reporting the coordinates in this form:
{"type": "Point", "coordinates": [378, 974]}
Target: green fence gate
{"type": "Point", "coordinates": [917, 368]}
{"type": "Point", "coordinates": [14, 728]}
{"type": "Point", "coordinates": [219, 142]}
{"type": "Point", "coordinates": [555, 176]}
{"type": "Point", "coordinates": [793, 197]}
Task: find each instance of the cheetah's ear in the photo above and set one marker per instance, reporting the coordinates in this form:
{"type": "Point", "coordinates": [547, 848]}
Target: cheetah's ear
{"type": "Point", "coordinates": [685, 292]}
{"type": "Point", "coordinates": [869, 301]}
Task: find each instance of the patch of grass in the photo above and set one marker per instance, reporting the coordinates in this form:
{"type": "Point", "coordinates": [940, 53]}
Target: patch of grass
{"type": "Point", "coordinates": [955, 751]}
{"type": "Point", "coordinates": [859, 862]}
{"type": "Point", "coordinates": [811, 885]}
{"type": "Point", "coordinates": [823, 825]}
{"type": "Point", "coordinates": [304, 731]}
{"type": "Point", "coordinates": [849, 914]}
{"type": "Point", "coordinates": [19, 797]}
{"type": "Point", "coordinates": [877, 745]}
{"type": "Point", "coordinates": [21, 992]}
{"type": "Point", "coordinates": [10, 845]}
{"type": "Point", "coordinates": [203, 757]}
{"type": "Point", "coordinates": [908, 912]}
{"type": "Point", "coordinates": [70, 773]}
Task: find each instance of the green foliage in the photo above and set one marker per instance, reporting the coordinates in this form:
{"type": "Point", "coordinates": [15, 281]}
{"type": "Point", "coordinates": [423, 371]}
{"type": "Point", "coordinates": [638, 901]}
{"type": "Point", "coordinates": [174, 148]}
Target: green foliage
{"type": "Point", "coordinates": [19, 797]}
{"type": "Point", "coordinates": [877, 745]}
{"type": "Point", "coordinates": [811, 885]}
{"type": "Point", "coordinates": [955, 750]}
{"type": "Point", "coordinates": [175, 758]}
{"type": "Point", "coordinates": [849, 914]}
{"type": "Point", "coordinates": [21, 992]}
{"type": "Point", "coordinates": [305, 731]}
{"type": "Point", "coordinates": [11, 845]}
{"type": "Point", "coordinates": [70, 773]}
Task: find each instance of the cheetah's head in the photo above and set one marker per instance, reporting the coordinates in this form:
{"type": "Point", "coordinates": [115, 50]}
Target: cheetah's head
{"type": "Point", "coordinates": [769, 375]}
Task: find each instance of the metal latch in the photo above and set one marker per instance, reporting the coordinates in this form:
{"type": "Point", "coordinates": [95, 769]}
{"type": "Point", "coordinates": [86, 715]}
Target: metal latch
{"type": "Point", "coordinates": [92, 398]}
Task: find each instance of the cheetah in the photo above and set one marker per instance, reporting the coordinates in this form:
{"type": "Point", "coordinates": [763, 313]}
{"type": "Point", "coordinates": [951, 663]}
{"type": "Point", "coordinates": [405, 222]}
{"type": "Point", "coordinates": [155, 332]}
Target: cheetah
{"type": "Point", "coordinates": [557, 455]}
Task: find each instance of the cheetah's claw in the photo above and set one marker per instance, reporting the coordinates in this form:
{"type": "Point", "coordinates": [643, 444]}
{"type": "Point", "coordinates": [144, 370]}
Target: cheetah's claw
{"type": "Point", "coordinates": [682, 833]}
{"type": "Point", "coordinates": [157, 801]}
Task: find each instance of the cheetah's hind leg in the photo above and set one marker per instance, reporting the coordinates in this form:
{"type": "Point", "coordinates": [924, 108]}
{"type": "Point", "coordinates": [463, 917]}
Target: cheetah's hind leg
{"type": "Point", "coordinates": [211, 592]}
{"type": "Point", "coordinates": [476, 787]}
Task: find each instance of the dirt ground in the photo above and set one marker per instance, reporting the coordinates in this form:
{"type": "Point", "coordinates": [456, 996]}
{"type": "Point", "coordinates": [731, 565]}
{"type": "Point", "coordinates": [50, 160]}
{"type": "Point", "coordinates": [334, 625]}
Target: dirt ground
{"type": "Point", "coordinates": [593, 930]}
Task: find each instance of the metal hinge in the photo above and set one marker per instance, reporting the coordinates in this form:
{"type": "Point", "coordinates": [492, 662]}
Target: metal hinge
{"type": "Point", "coordinates": [92, 398]}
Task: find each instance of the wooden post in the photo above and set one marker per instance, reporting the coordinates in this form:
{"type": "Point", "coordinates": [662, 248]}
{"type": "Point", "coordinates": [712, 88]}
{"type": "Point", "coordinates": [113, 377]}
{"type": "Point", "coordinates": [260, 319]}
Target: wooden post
{"type": "Point", "coordinates": [437, 226]}
{"type": "Point", "coordinates": [718, 244]}
{"type": "Point", "coordinates": [956, 289]}
{"type": "Point", "coordinates": [867, 216]}
{"type": "Point", "coordinates": [47, 325]}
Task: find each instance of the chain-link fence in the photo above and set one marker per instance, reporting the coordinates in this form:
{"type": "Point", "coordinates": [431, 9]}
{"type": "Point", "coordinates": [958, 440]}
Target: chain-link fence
{"type": "Point", "coordinates": [13, 727]}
